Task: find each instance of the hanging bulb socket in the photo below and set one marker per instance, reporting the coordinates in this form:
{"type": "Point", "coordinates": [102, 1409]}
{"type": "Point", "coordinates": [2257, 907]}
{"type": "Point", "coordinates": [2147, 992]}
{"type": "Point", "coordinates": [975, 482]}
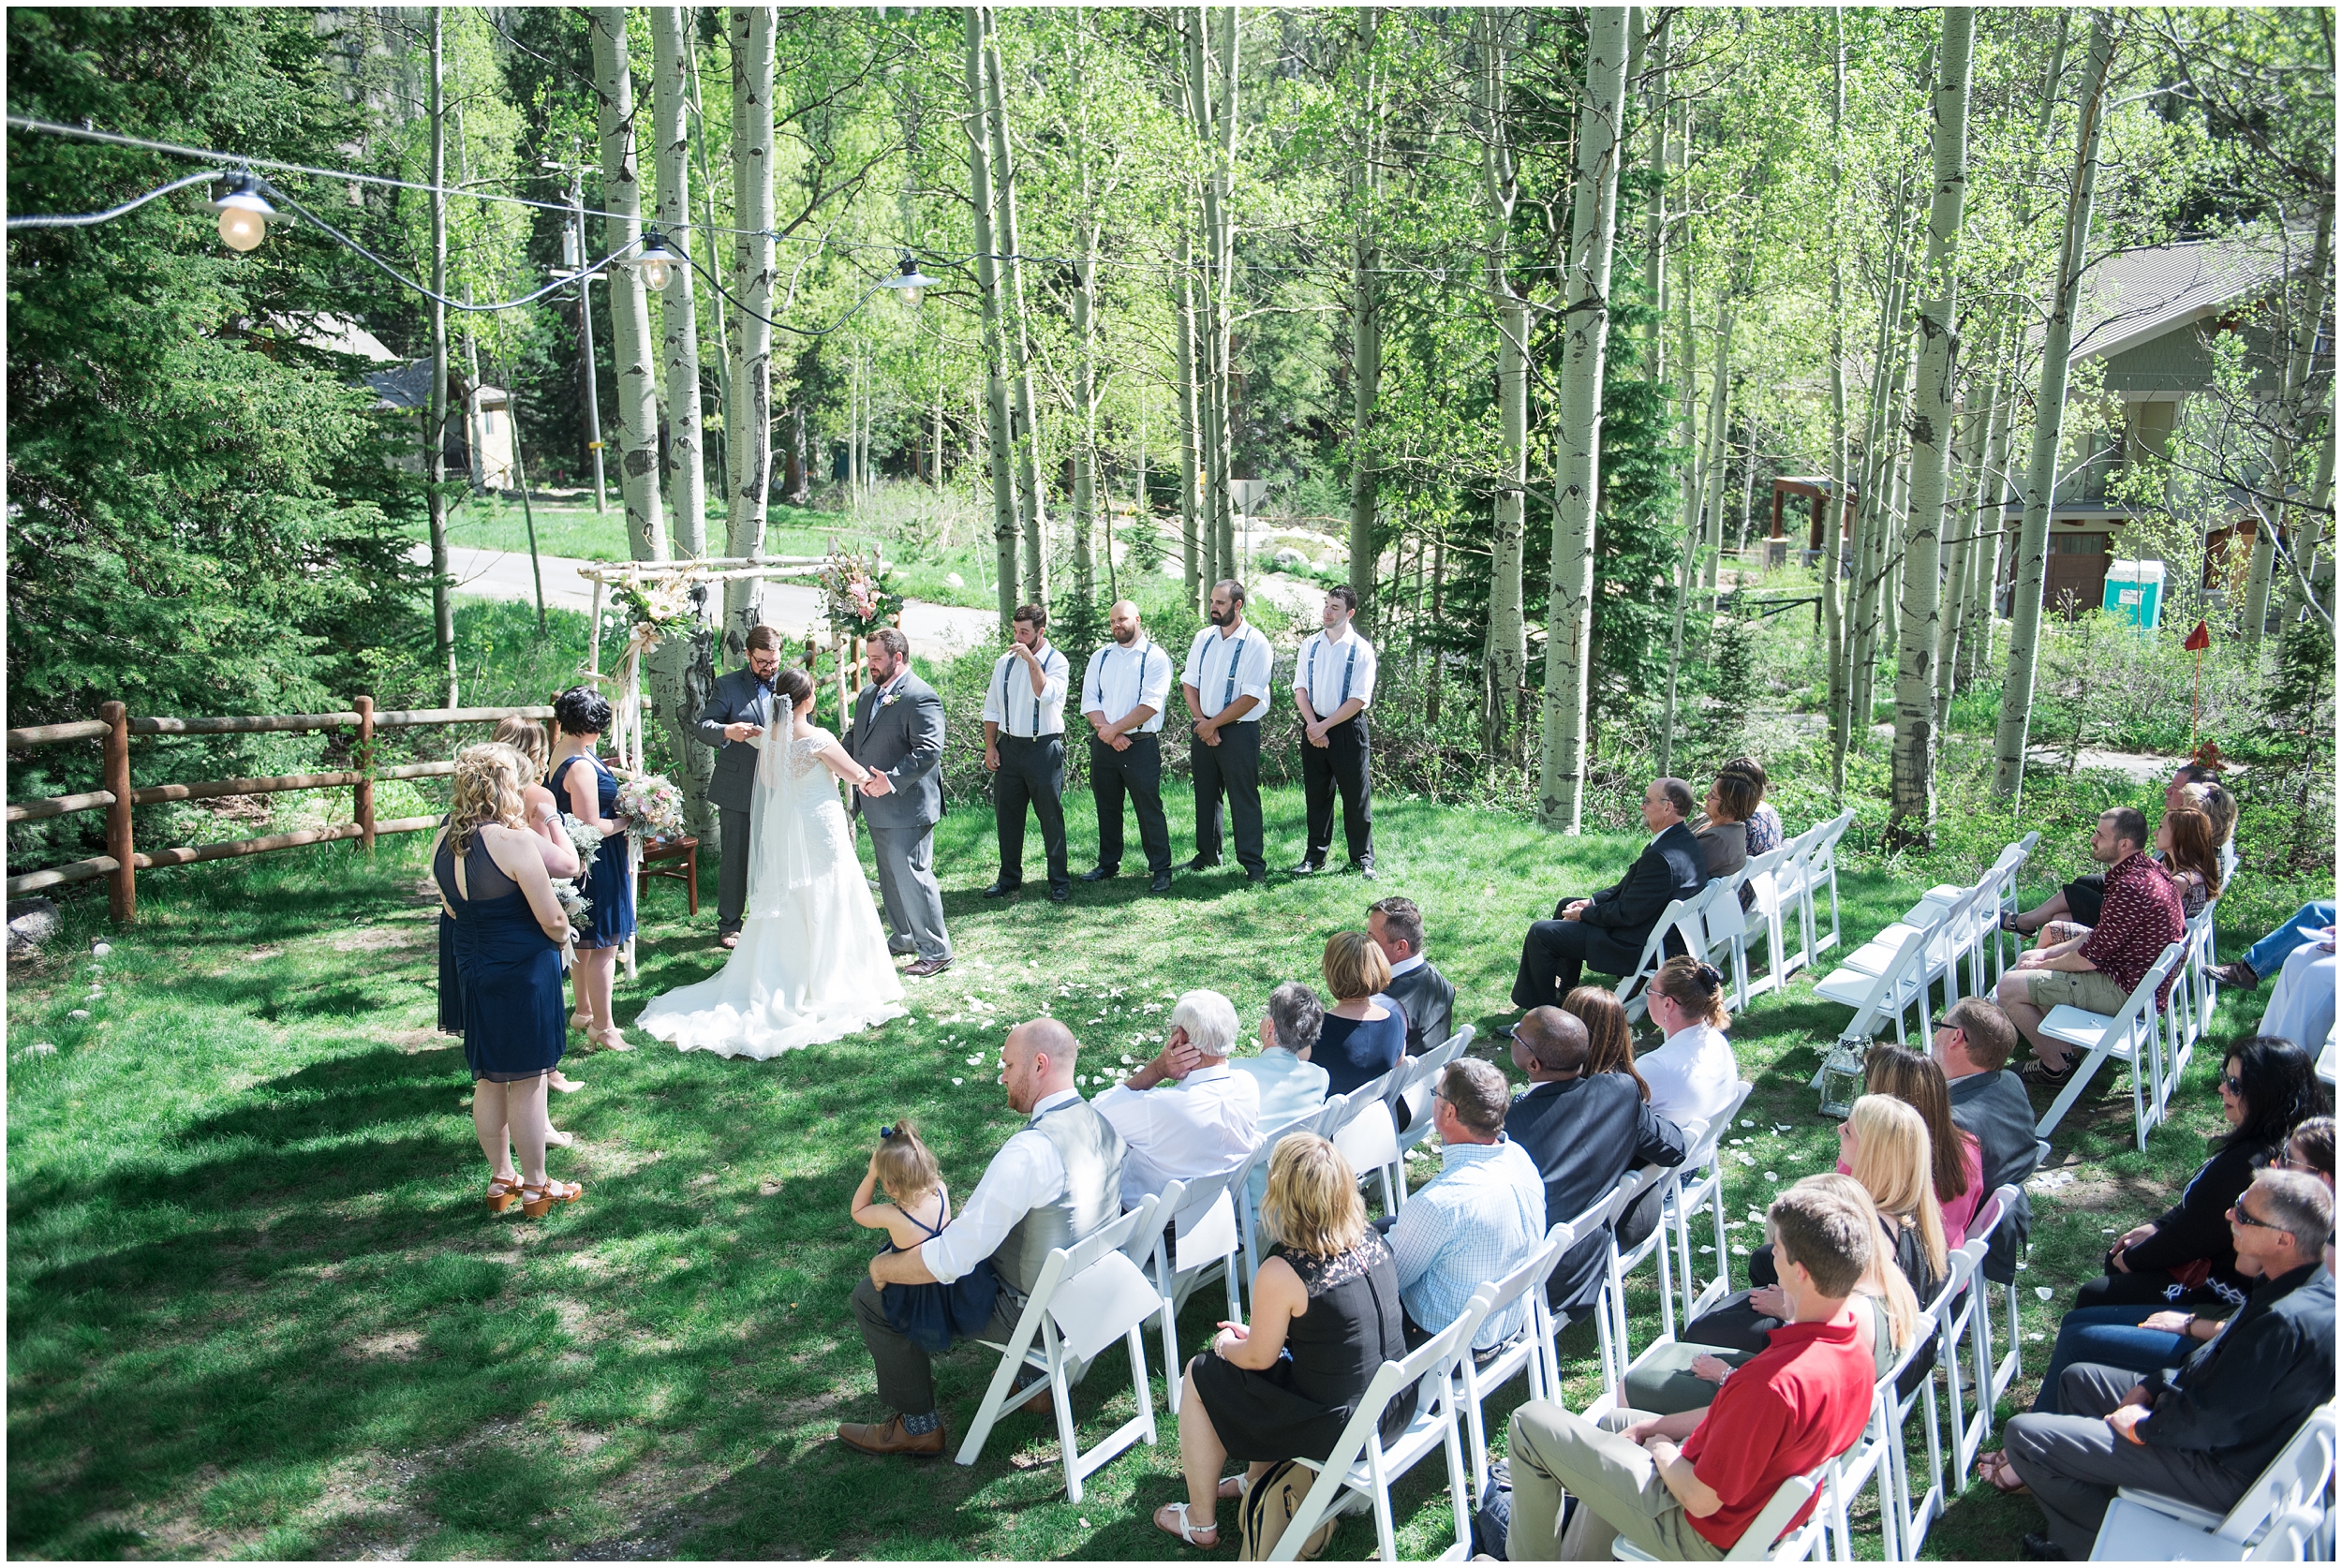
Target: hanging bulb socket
{"type": "Point", "coordinates": [658, 260]}
{"type": "Point", "coordinates": [244, 213]}
{"type": "Point", "coordinates": [911, 283]}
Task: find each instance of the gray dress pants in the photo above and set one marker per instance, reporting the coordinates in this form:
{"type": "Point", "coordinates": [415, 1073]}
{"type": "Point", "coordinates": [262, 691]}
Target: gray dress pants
{"type": "Point", "coordinates": [2074, 1463]}
{"type": "Point", "coordinates": [731, 883]}
{"type": "Point", "coordinates": [906, 868]}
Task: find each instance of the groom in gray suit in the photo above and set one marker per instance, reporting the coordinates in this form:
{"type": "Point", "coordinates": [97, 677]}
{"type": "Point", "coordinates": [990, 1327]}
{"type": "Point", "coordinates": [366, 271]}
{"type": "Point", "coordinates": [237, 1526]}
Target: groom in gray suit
{"type": "Point", "coordinates": [897, 734]}
{"type": "Point", "coordinates": [736, 712]}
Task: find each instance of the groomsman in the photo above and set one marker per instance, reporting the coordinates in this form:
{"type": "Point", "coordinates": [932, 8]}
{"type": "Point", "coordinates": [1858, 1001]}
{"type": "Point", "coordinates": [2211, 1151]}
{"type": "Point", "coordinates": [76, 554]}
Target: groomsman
{"type": "Point", "coordinates": [1124, 692]}
{"type": "Point", "coordinates": [1333, 684]}
{"type": "Point", "coordinates": [736, 713]}
{"type": "Point", "coordinates": [1225, 681]}
{"type": "Point", "coordinates": [1024, 748]}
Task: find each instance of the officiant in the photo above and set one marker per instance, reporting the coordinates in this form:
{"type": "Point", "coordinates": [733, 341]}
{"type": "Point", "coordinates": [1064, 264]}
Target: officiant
{"type": "Point", "coordinates": [736, 713]}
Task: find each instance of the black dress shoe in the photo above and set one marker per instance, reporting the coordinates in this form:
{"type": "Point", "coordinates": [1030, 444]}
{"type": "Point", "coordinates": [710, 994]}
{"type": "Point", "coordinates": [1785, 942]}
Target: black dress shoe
{"type": "Point", "coordinates": [2038, 1547]}
{"type": "Point", "coordinates": [1162, 883]}
{"type": "Point", "coordinates": [1002, 890]}
{"type": "Point", "coordinates": [1364, 868]}
{"type": "Point", "coordinates": [1060, 893]}
{"type": "Point", "coordinates": [1256, 877]}
{"type": "Point", "coordinates": [1308, 868]}
{"type": "Point", "coordinates": [1097, 874]}
{"type": "Point", "coordinates": [1202, 862]}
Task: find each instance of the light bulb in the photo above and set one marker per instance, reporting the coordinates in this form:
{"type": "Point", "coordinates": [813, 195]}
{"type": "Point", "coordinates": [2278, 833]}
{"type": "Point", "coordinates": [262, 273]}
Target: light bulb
{"type": "Point", "coordinates": [655, 274]}
{"type": "Point", "coordinates": [240, 229]}
{"type": "Point", "coordinates": [912, 295]}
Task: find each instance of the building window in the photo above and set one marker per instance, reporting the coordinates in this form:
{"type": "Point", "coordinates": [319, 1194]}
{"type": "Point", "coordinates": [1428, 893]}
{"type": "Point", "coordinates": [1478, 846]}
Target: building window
{"type": "Point", "coordinates": [2078, 544]}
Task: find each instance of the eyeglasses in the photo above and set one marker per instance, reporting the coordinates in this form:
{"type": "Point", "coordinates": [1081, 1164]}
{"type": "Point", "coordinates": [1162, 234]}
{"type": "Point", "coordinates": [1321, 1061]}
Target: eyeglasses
{"type": "Point", "coordinates": [2241, 1217]}
{"type": "Point", "coordinates": [2231, 1082]}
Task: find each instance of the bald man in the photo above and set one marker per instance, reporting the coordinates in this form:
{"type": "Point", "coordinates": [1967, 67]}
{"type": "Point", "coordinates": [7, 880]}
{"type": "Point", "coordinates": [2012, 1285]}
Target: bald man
{"type": "Point", "coordinates": [1125, 691]}
{"type": "Point", "coordinates": [1056, 1179]}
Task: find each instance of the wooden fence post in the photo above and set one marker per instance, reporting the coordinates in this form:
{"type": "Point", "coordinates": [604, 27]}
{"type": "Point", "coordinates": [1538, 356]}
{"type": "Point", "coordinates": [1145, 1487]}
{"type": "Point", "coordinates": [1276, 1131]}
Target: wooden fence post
{"type": "Point", "coordinates": [122, 884]}
{"type": "Point", "coordinates": [361, 792]}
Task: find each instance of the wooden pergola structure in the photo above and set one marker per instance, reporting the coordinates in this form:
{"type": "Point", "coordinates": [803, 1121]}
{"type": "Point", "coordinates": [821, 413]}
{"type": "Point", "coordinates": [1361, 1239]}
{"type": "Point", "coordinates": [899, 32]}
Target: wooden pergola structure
{"type": "Point", "coordinates": [1815, 490]}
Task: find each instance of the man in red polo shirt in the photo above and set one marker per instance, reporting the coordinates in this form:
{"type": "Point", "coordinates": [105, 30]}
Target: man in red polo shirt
{"type": "Point", "coordinates": [2098, 973]}
{"type": "Point", "coordinates": [1803, 1400]}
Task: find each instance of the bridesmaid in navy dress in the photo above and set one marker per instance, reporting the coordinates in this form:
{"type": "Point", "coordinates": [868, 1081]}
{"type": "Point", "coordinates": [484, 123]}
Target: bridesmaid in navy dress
{"type": "Point", "coordinates": [507, 932]}
{"type": "Point", "coordinates": [590, 791]}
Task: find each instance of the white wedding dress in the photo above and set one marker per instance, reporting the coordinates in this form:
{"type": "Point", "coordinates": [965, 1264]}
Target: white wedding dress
{"type": "Point", "coordinates": [813, 964]}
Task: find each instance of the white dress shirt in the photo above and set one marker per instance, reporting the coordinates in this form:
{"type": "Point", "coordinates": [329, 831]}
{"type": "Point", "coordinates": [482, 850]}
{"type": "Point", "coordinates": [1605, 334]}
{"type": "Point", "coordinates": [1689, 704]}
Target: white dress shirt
{"type": "Point", "coordinates": [1333, 672]}
{"type": "Point", "coordinates": [1009, 700]}
{"type": "Point", "coordinates": [1692, 1074]}
{"type": "Point", "coordinates": [1224, 668]}
{"type": "Point", "coordinates": [1412, 962]}
{"type": "Point", "coordinates": [1199, 1126]}
{"type": "Point", "coordinates": [1026, 1174]}
{"type": "Point", "coordinates": [1119, 679]}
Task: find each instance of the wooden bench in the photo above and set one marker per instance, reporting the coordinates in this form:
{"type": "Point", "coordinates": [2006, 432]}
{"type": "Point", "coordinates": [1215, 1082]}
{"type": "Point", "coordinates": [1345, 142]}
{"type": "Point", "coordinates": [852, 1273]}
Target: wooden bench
{"type": "Point", "coordinates": [657, 849]}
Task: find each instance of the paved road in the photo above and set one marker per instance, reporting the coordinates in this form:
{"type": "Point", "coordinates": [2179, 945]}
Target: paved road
{"type": "Point", "coordinates": [793, 607]}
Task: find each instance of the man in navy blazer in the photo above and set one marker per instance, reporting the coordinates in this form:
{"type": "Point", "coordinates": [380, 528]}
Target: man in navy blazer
{"type": "Point", "coordinates": [736, 713]}
{"type": "Point", "coordinates": [1608, 929]}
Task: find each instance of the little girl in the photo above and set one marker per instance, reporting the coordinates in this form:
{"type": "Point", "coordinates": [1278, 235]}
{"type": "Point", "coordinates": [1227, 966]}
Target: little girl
{"type": "Point", "coordinates": [917, 1210]}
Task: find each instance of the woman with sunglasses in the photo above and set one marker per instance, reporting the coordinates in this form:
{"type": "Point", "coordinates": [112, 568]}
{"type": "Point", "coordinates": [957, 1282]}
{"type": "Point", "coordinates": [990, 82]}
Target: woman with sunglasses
{"type": "Point", "coordinates": [2184, 1258]}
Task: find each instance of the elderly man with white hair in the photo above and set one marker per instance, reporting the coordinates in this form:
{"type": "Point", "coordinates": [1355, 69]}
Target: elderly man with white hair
{"type": "Point", "coordinates": [1185, 1113]}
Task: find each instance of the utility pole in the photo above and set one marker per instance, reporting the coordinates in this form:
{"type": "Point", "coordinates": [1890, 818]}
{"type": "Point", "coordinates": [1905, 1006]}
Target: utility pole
{"type": "Point", "coordinates": [573, 256]}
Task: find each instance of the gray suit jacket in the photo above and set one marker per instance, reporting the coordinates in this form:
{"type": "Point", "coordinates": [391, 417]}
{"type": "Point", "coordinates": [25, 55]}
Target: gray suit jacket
{"type": "Point", "coordinates": [737, 700]}
{"type": "Point", "coordinates": [904, 740]}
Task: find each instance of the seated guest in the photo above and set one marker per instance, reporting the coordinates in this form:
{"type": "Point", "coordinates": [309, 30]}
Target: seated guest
{"type": "Point", "coordinates": [1482, 1217]}
{"type": "Point", "coordinates": [1679, 1381]}
{"type": "Point", "coordinates": [1325, 1316]}
{"type": "Point", "coordinates": [1972, 1046]}
{"type": "Point", "coordinates": [1692, 1074]}
{"type": "Point", "coordinates": [1056, 1179]}
{"type": "Point", "coordinates": [2140, 1342]}
{"type": "Point", "coordinates": [1292, 1086]}
{"type": "Point", "coordinates": [2184, 849]}
{"type": "Point", "coordinates": [1723, 828]}
{"type": "Point", "coordinates": [1422, 993]}
{"type": "Point", "coordinates": [2079, 900]}
{"type": "Point", "coordinates": [2098, 973]}
{"type": "Point", "coordinates": [2301, 1008]}
{"type": "Point", "coordinates": [1805, 1398]}
{"type": "Point", "coordinates": [2267, 956]}
{"type": "Point", "coordinates": [1609, 931]}
{"type": "Point", "coordinates": [1959, 1158]}
{"type": "Point", "coordinates": [1609, 1039]}
{"type": "Point", "coordinates": [2185, 1257]}
{"type": "Point", "coordinates": [1364, 1033]}
{"type": "Point", "coordinates": [1765, 833]}
{"type": "Point", "coordinates": [2220, 807]}
{"type": "Point", "coordinates": [1583, 1129]}
{"type": "Point", "coordinates": [2203, 1432]}
{"type": "Point", "coordinates": [1184, 1114]}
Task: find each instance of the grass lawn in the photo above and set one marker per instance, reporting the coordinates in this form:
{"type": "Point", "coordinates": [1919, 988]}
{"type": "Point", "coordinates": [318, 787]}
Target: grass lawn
{"type": "Point", "coordinates": [257, 1309]}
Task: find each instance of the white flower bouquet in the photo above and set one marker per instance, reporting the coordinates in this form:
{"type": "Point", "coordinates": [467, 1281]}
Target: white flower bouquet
{"type": "Point", "coordinates": [651, 804]}
{"type": "Point", "coordinates": [573, 903]}
{"type": "Point", "coordinates": [585, 838]}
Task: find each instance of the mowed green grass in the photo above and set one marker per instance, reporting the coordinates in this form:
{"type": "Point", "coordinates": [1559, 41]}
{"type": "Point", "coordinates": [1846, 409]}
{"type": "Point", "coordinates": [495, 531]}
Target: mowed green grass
{"type": "Point", "coordinates": [257, 1308]}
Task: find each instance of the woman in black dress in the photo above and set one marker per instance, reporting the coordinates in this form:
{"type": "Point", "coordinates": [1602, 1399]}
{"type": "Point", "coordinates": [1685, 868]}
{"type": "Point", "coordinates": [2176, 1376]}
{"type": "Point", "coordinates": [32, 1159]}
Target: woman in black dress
{"type": "Point", "coordinates": [1325, 1316]}
{"type": "Point", "coordinates": [508, 931]}
{"type": "Point", "coordinates": [590, 793]}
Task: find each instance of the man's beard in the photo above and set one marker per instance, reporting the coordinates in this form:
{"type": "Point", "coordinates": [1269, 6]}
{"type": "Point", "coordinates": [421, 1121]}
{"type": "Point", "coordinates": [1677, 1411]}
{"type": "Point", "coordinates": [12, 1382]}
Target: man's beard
{"type": "Point", "coordinates": [1222, 618]}
{"type": "Point", "coordinates": [1126, 638]}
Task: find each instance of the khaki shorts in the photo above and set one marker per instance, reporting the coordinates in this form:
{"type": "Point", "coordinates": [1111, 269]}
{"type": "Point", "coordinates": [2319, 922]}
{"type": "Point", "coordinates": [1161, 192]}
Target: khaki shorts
{"type": "Point", "coordinates": [2086, 989]}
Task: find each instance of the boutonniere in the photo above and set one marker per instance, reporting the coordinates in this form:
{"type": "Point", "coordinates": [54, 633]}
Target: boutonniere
{"type": "Point", "coordinates": [888, 700]}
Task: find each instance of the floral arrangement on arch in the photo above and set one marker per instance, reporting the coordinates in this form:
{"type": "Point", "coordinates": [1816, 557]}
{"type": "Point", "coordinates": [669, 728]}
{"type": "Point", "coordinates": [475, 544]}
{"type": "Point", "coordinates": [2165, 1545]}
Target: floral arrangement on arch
{"type": "Point", "coordinates": [657, 610]}
{"type": "Point", "coordinates": [858, 596]}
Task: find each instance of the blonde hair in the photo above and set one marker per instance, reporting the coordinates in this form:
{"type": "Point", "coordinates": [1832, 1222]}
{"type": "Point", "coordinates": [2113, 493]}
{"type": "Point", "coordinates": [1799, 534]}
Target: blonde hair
{"type": "Point", "coordinates": [528, 737]}
{"type": "Point", "coordinates": [1884, 1278]}
{"type": "Point", "coordinates": [906, 1167]}
{"type": "Point", "coordinates": [1353, 965]}
{"type": "Point", "coordinates": [1312, 1203]}
{"type": "Point", "coordinates": [488, 790]}
{"type": "Point", "coordinates": [1894, 1163]}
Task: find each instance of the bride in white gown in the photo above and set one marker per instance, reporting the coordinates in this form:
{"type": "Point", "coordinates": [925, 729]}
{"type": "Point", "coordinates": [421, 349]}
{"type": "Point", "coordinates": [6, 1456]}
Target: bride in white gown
{"type": "Point", "coordinates": [813, 964]}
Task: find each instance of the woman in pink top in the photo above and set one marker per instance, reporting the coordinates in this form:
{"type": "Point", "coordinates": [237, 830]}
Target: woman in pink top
{"type": "Point", "coordinates": [1959, 1160]}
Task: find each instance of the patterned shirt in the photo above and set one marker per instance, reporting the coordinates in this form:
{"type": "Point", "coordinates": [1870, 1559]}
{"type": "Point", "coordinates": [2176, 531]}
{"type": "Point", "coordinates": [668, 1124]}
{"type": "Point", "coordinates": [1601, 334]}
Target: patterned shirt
{"type": "Point", "coordinates": [1764, 831]}
{"type": "Point", "coordinates": [1482, 1217]}
{"type": "Point", "coordinates": [2139, 917]}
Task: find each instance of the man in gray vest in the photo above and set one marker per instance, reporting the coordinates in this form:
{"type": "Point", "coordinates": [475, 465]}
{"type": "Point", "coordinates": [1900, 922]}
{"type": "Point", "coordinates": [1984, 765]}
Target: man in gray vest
{"type": "Point", "coordinates": [736, 713]}
{"type": "Point", "coordinates": [1055, 1181]}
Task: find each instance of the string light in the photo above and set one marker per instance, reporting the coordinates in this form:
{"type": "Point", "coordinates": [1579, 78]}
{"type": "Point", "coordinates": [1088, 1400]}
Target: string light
{"type": "Point", "coordinates": [658, 260]}
{"type": "Point", "coordinates": [911, 283]}
{"type": "Point", "coordinates": [244, 213]}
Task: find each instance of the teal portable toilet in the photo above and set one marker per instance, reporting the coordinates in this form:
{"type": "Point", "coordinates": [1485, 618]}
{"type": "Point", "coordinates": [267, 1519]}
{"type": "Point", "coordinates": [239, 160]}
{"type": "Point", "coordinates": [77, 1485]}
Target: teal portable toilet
{"type": "Point", "coordinates": [2134, 592]}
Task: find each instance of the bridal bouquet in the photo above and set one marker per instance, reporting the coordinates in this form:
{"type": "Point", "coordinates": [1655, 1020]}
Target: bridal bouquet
{"type": "Point", "coordinates": [651, 804]}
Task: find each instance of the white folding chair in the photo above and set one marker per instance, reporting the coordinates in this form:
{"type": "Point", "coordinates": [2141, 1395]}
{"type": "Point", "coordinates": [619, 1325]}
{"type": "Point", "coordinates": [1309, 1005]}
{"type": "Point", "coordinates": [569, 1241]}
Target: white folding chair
{"type": "Point", "coordinates": [1724, 927]}
{"type": "Point", "coordinates": [1325, 1121]}
{"type": "Point", "coordinates": [2196, 993]}
{"type": "Point", "coordinates": [2006, 945]}
{"type": "Point", "coordinates": [1768, 1537]}
{"type": "Point", "coordinates": [1762, 878]}
{"type": "Point", "coordinates": [1416, 1093]}
{"type": "Point", "coordinates": [1699, 1185]}
{"type": "Point", "coordinates": [1586, 1227]}
{"type": "Point", "coordinates": [1820, 862]}
{"type": "Point", "coordinates": [1369, 1139]}
{"type": "Point", "coordinates": [1202, 1235]}
{"type": "Point", "coordinates": [1913, 1517]}
{"type": "Point", "coordinates": [1965, 1432]}
{"type": "Point", "coordinates": [1888, 992]}
{"type": "Point", "coordinates": [1518, 1353]}
{"type": "Point", "coordinates": [2133, 1036]}
{"type": "Point", "coordinates": [1847, 1476]}
{"type": "Point", "coordinates": [1364, 1465]}
{"type": "Point", "coordinates": [1686, 919]}
{"type": "Point", "coordinates": [1089, 1295]}
{"type": "Point", "coordinates": [1994, 1375]}
{"type": "Point", "coordinates": [2273, 1520]}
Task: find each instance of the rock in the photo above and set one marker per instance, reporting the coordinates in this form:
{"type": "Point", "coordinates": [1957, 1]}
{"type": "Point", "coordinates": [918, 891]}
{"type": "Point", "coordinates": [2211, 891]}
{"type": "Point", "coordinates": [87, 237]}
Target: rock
{"type": "Point", "coordinates": [1289, 559]}
{"type": "Point", "coordinates": [32, 921]}
{"type": "Point", "coordinates": [78, 1013]}
{"type": "Point", "coordinates": [954, 579]}
{"type": "Point", "coordinates": [40, 1048]}
{"type": "Point", "coordinates": [100, 950]}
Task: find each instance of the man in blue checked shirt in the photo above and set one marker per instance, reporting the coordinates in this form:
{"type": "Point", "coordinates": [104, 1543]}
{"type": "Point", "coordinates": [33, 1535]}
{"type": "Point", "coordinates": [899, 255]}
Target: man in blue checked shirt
{"type": "Point", "coordinates": [1482, 1217]}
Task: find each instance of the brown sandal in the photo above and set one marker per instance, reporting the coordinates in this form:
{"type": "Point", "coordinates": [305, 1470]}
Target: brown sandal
{"type": "Point", "coordinates": [537, 1202]}
{"type": "Point", "coordinates": [502, 1191]}
{"type": "Point", "coordinates": [1995, 1471]}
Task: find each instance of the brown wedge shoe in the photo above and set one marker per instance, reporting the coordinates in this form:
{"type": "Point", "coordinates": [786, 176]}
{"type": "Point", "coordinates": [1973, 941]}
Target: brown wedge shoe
{"type": "Point", "coordinates": [888, 1436]}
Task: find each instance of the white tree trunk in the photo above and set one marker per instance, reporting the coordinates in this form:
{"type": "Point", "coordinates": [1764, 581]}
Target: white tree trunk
{"type": "Point", "coordinates": [631, 345]}
{"type": "Point", "coordinates": [2049, 425]}
{"type": "Point", "coordinates": [749, 407]}
{"type": "Point", "coordinates": [1834, 511]}
{"type": "Point", "coordinates": [1366, 329]}
{"type": "Point", "coordinates": [1507, 660]}
{"type": "Point", "coordinates": [1195, 565]}
{"type": "Point", "coordinates": [1033, 505]}
{"type": "Point", "coordinates": [2292, 418]}
{"type": "Point", "coordinates": [1911, 812]}
{"type": "Point", "coordinates": [1577, 425]}
{"type": "Point", "coordinates": [1000, 451]}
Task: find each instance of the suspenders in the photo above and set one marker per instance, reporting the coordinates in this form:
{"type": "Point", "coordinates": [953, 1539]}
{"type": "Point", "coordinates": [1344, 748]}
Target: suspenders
{"type": "Point", "coordinates": [1348, 668]}
{"type": "Point", "coordinates": [1236, 656]}
{"type": "Point", "coordinates": [1007, 662]}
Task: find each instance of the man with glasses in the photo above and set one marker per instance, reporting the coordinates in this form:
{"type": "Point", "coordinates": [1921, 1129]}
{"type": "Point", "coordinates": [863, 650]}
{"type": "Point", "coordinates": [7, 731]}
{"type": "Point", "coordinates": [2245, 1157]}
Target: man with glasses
{"type": "Point", "coordinates": [1973, 1045]}
{"type": "Point", "coordinates": [2204, 1431]}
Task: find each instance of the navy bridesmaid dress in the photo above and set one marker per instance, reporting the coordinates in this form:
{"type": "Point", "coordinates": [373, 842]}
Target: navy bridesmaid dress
{"type": "Point", "coordinates": [611, 921]}
{"type": "Point", "coordinates": [508, 972]}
